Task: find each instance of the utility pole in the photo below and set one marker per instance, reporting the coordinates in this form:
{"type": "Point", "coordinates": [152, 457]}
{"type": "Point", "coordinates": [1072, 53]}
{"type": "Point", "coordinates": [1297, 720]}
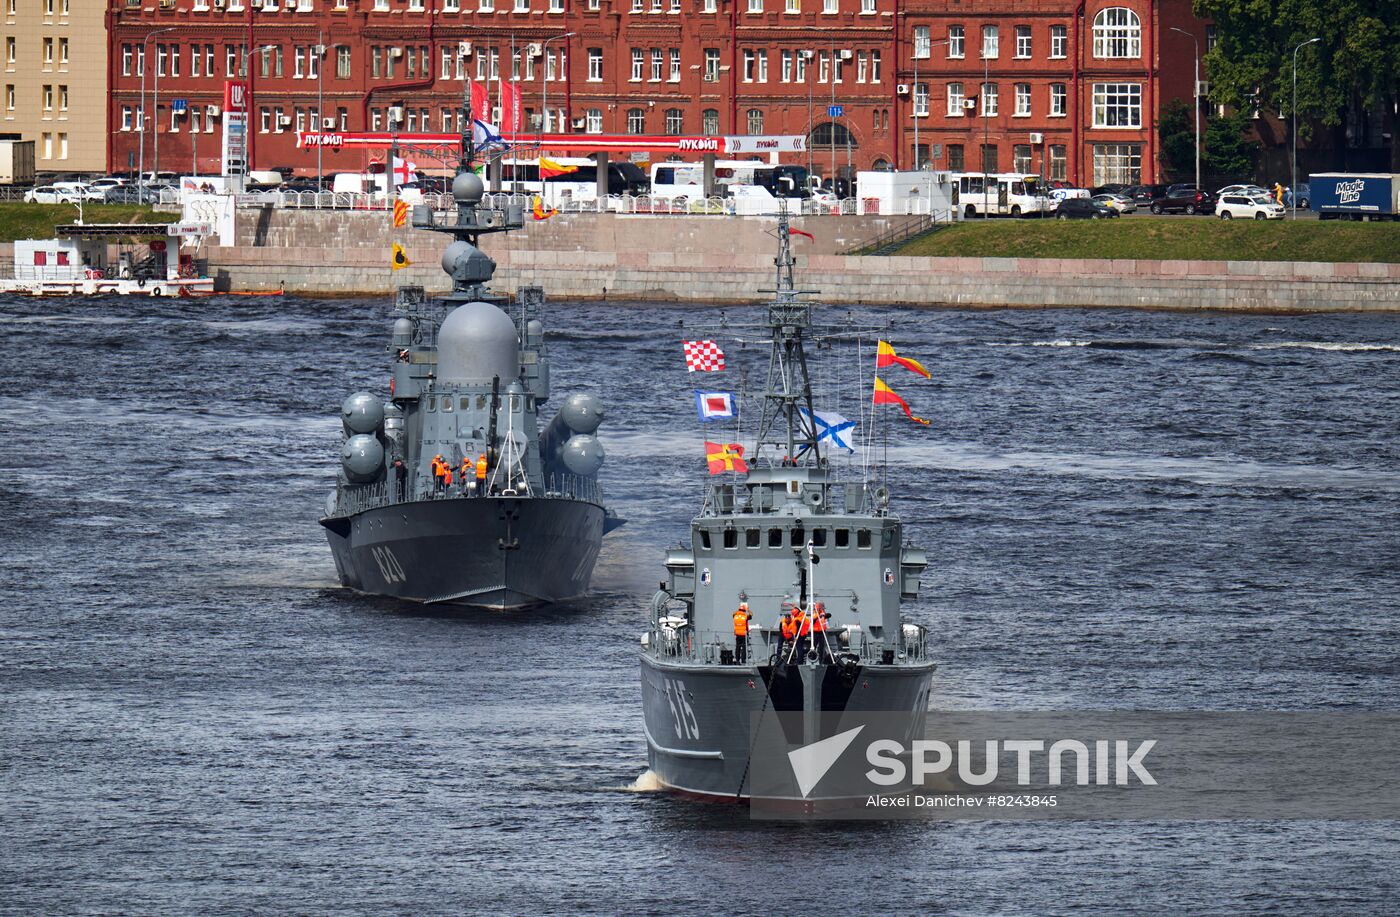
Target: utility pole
{"type": "Point", "coordinates": [141, 167]}
{"type": "Point", "coordinates": [1293, 188]}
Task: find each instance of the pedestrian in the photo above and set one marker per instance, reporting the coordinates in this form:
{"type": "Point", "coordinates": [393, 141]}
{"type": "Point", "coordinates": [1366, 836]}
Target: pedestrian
{"type": "Point", "coordinates": [741, 633]}
{"type": "Point", "coordinates": [401, 478]}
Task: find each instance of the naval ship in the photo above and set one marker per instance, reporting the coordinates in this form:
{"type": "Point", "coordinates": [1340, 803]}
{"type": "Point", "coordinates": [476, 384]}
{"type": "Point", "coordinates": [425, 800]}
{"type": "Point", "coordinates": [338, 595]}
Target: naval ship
{"type": "Point", "coordinates": [469, 378]}
{"type": "Point", "coordinates": [758, 540]}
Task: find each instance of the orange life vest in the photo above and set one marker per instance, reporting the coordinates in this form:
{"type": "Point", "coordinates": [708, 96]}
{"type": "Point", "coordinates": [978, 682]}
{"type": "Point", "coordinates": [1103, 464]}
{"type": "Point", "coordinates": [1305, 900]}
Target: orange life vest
{"type": "Point", "coordinates": [803, 623]}
{"type": "Point", "coordinates": [788, 627]}
{"type": "Point", "coordinates": [481, 467]}
{"type": "Point", "coordinates": [447, 475]}
{"type": "Point", "coordinates": [819, 619]}
{"type": "Point", "coordinates": [466, 469]}
{"type": "Point", "coordinates": [741, 623]}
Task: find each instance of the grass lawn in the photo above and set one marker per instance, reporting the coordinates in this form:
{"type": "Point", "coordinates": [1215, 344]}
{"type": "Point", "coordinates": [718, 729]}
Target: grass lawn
{"type": "Point", "coordinates": [36, 221]}
{"type": "Point", "coordinates": [1170, 239]}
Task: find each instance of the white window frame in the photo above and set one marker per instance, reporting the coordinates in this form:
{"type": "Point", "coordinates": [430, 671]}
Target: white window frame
{"type": "Point", "coordinates": [991, 99]}
{"type": "Point", "coordinates": [1059, 100]}
{"type": "Point", "coordinates": [1024, 43]}
{"type": "Point", "coordinates": [991, 42]}
{"type": "Point", "coordinates": [920, 100]}
{"type": "Point", "coordinates": [923, 42]}
{"type": "Point", "coordinates": [955, 96]}
{"type": "Point", "coordinates": [957, 42]}
{"type": "Point", "coordinates": [1117, 34]}
{"type": "Point", "coordinates": [675, 74]}
{"type": "Point", "coordinates": [638, 63]}
{"type": "Point", "coordinates": [1059, 42]}
{"type": "Point", "coordinates": [595, 66]}
{"type": "Point", "coordinates": [1117, 106]}
{"type": "Point", "coordinates": [593, 121]}
{"type": "Point", "coordinates": [1022, 104]}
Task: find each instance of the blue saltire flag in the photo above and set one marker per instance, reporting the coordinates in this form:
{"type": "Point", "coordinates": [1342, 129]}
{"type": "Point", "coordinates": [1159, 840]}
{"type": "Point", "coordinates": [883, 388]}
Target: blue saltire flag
{"type": "Point", "coordinates": [833, 430]}
{"type": "Point", "coordinates": [714, 405]}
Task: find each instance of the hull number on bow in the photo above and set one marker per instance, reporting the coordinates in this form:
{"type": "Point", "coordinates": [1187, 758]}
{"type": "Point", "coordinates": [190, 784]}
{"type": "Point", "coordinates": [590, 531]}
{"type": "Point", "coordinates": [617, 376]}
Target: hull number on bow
{"type": "Point", "coordinates": [388, 564]}
{"type": "Point", "coordinates": [687, 727]}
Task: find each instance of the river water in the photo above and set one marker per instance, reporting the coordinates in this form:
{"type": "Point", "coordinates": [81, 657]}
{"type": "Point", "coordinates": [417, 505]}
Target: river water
{"type": "Point", "coordinates": [1122, 510]}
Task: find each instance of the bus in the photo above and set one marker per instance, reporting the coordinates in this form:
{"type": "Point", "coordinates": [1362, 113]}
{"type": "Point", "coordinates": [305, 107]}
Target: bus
{"type": "Point", "coordinates": [1000, 194]}
{"type": "Point", "coordinates": [686, 180]}
{"type": "Point", "coordinates": [523, 176]}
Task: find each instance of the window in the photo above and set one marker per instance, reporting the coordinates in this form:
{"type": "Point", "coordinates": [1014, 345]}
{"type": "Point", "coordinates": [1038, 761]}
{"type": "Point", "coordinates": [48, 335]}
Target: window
{"type": "Point", "coordinates": [62, 98]}
{"type": "Point", "coordinates": [861, 68]}
{"type": "Point", "coordinates": [923, 44]}
{"type": "Point", "coordinates": [10, 104]}
{"type": "Point", "coordinates": [1058, 100]}
{"type": "Point", "coordinates": [874, 66]}
{"type": "Point", "coordinates": [658, 64]}
{"type": "Point", "coordinates": [280, 119]}
{"type": "Point", "coordinates": [956, 36]}
{"type": "Point", "coordinates": [709, 122]}
{"type": "Point", "coordinates": [786, 67]}
{"type": "Point", "coordinates": [802, 58]}
{"type": "Point", "coordinates": [675, 75]}
{"type": "Point", "coordinates": [209, 60]}
{"type": "Point", "coordinates": [522, 6]}
{"type": "Point", "coordinates": [748, 66]}
{"type": "Point", "coordinates": [231, 62]}
{"type": "Point", "coordinates": [174, 57]}
{"type": "Point", "coordinates": [195, 61]}
{"type": "Point", "coordinates": [549, 66]}
{"type": "Point", "coordinates": [755, 120]}
{"type": "Point", "coordinates": [675, 121]}
{"type": "Point", "coordinates": [921, 100]}
{"type": "Point", "coordinates": [195, 117]}
{"type": "Point", "coordinates": [712, 65]}
{"type": "Point", "coordinates": [446, 71]}
{"type": "Point", "coordinates": [989, 99]}
{"type": "Point", "coordinates": [955, 100]}
{"type": "Point", "coordinates": [867, 6]}
{"type": "Point", "coordinates": [1021, 158]}
{"type": "Point", "coordinates": [556, 6]}
{"type": "Point", "coordinates": [637, 63]}
{"type": "Point", "coordinates": [823, 67]}
{"type": "Point", "coordinates": [792, 6]}
{"type": "Point", "coordinates": [48, 98]}
{"type": "Point", "coordinates": [265, 120]}
{"type": "Point", "coordinates": [1023, 41]}
{"type": "Point", "coordinates": [991, 41]}
{"type": "Point", "coordinates": [755, 6]}
{"type": "Point", "coordinates": [863, 538]}
{"type": "Point", "coordinates": [1058, 41]}
{"type": "Point", "coordinates": [595, 67]}
{"type": "Point", "coordinates": [763, 66]}
{"type": "Point", "coordinates": [1117, 163]}
{"type": "Point", "coordinates": [593, 121]}
{"type": "Point", "coordinates": [636, 121]}
{"type": "Point", "coordinates": [48, 54]}
{"type": "Point", "coordinates": [1023, 100]}
{"type": "Point", "coordinates": [709, 7]}
{"type": "Point", "coordinates": [342, 63]}
{"type": "Point", "coordinates": [1117, 33]}
{"type": "Point", "coordinates": [1117, 105]}
{"type": "Point", "coordinates": [341, 113]}
{"type": "Point", "coordinates": [989, 158]}
{"type": "Point", "coordinates": [956, 161]}
{"type": "Point", "coordinates": [126, 55]}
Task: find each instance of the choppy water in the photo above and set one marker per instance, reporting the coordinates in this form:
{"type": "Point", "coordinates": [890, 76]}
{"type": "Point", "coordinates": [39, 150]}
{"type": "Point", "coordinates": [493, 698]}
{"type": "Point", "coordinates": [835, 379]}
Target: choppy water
{"type": "Point", "coordinates": [1123, 510]}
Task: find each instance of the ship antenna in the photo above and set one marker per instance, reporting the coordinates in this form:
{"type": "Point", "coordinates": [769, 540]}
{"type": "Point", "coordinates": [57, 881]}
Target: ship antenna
{"type": "Point", "coordinates": [788, 391]}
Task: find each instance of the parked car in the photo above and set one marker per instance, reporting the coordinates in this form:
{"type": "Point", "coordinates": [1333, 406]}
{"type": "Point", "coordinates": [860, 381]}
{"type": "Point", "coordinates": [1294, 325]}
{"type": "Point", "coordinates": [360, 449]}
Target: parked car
{"type": "Point", "coordinates": [1249, 206]}
{"type": "Point", "coordinates": [1108, 189]}
{"type": "Point", "coordinates": [1304, 197]}
{"type": "Point", "coordinates": [51, 194]}
{"type": "Point", "coordinates": [130, 194]}
{"type": "Point", "coordinates": [1119, 202]}
{"type": "Point", "coordinates": [1144, 195]}
{"type": "Point", "coordinates": [1245, 189]}
{"type": "Point", "coordinates": [1183, 199]}
{"type": "Point", "coordinates": [1079, 208]}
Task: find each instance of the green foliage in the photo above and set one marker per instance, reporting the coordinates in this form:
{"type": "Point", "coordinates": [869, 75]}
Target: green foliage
{"type": "Point", "coordinates": [36, 221]}
{"type": "Point", "coordinates": [1227, 151]}
{"type": "Point", "coordinates": [1168, 238]}
{"type": "Point", "coordinates": [1176, 134]}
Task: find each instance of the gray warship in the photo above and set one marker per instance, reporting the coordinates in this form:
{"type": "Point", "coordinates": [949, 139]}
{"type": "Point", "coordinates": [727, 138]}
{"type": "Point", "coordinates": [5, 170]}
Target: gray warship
{"type": "Point", "coordinates": [469, 378]}
{"type": "Point", "coordinates": [758, 540]}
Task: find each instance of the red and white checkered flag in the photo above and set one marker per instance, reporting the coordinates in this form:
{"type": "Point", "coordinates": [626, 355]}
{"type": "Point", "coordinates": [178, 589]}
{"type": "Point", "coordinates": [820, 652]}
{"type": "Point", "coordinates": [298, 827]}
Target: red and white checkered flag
{"type": "Point", "coordinates": [703, 357]}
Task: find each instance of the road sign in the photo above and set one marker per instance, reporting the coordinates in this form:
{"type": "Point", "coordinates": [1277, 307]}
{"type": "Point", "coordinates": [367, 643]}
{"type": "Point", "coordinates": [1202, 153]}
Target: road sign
{"type": "Point", "coordinates": [834, 111]}
{"type": "Point", "coordinates": [179, 105]}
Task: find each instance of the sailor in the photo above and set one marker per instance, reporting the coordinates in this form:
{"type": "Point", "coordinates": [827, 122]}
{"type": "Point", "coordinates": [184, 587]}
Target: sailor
{"type": "Point", "coordinates": [439, 466]}
{"type": "Point", "coordinates": [802, 624]}
{"type": "Point", "coordinates": [446, 478]}
{"type": "Point", "coordinates": [741, 633]}
{"type": "Point", "coordinates": [401, 478]}
{"type": "Point", "coordinates": [819, 641]}
{"type": "Point", "coordinates": [466, 474]}
{"type": "Point", "coordinates": [787, 630]}
{"type": "Point", "coordinates": [481, 475]}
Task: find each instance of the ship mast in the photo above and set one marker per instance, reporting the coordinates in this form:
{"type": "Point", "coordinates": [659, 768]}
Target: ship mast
{"type": "Point", "coordinates": [788, 389]}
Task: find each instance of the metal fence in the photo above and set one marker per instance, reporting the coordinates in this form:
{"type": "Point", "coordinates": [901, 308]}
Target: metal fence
{"type": "Point", "coordinates": [358, 498]}
{"type": "Point", "coordinates": [613, 203]}
{"type": "Point", "coordinates": [690, 644]}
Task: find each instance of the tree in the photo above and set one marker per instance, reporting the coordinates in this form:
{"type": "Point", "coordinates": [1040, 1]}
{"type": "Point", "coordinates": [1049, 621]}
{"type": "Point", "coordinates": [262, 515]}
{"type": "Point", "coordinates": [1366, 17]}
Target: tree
{"type": "Point", "coordinates": [1228, 154]}
{"type": "Point", "coordinates": [1176, 135]}
{"type": "Point", "coordinates": [1357, 62]}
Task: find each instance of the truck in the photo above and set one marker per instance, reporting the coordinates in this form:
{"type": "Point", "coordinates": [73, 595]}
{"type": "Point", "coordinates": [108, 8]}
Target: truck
{"type": "Point", "coordinates": [1355, 196]}
{"type": "Point", "coordinates": [16, 162]}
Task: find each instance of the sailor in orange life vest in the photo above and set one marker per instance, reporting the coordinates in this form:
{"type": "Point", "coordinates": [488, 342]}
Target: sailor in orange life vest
{"type": "Point", "coordinates": [787, 630]}
{"type": "Point", "coordinates": [481, 474]}
{"type": "Point", "coordinates": [741, 633]}
{"type": "Point", "coordinates": [803, 626]}
{"type": "Point", "coordinates": [438, 467]}
{"type": "Point", "coordinates": [819, 642]}
{"type": "Point", "coordinates": [464, 477]}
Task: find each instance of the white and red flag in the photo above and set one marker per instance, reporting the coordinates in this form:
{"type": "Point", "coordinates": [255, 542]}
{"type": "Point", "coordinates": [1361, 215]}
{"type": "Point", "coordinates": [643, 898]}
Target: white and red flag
{"type": "Point", "coordinates": [509, 95]}
{"type": "Point", "coordinates": [703, 357]}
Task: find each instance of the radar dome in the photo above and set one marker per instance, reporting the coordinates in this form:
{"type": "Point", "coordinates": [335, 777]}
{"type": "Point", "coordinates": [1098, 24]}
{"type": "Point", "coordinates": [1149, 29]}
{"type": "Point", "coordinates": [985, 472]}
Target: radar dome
{"type": "Point", "coordinates": [403, 332]}
{"type": "Point", "coordinates": [467, 188]}
{"type": "Point", "coordinates": [362, 413]}
{"type": "Point", "coordinates": [362, 458]}
{"type": "Point", "coordinates": [582, 412]}
{"type": "Point", "coordinates": [476, 343]}
{"type": "Point", "coordinates": [583, 455]}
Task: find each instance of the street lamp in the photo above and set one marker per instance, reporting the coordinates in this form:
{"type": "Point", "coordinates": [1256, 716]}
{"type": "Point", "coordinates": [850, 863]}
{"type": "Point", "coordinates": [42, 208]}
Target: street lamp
{"type": "Point", "coordinates": [246, 68]}
{"type": "Point", "coordinates": [321, 49]}
{"type": "Point", "coordinates": [1195, 102]}
{"type": "Point", "coordinates": [1293, 188]}
{"type": "Point", "coordinates": [141, 169]}
{"type": "Point", "coordinates": [544, 87]}
{"type": "Point", "coordinates": [986, 177]}
{"type": "Point", "coordinates": [928, 100]}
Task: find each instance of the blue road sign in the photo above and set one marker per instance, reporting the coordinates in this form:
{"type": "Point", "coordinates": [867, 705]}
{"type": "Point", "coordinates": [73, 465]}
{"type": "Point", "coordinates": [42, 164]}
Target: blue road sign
{"type": "Point", "coordinates": [834, 111]}
{"type": "Point", "coordinates": [179, 105]}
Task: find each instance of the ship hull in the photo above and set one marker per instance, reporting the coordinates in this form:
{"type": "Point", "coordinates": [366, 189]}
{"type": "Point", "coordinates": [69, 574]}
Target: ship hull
{"type": "Point", "coordinates": [699, 718]}
{"type": "Point", "coordinates": [490, 552]}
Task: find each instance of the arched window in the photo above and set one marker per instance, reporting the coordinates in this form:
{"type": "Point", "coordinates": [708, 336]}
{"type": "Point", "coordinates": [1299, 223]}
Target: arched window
{"type": "Point", "coordinates": [1117, 33]}
{"type": "Point", "coordinates": [880, 165]}
{"type": "Point", "coordinates": [709, 122]}
{"type": "Point", "coordinates": [675, 121]}
{"type": "Point", "coordinates": [636, 121]}
{"type": "Point", "coordinates": [755, 120]}
{"type": "Point", "coordinates": [829, 135]}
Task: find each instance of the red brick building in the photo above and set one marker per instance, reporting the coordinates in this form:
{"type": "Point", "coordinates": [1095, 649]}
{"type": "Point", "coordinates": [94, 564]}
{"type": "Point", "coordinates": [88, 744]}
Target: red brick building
{"type": "Point", "coordinates": [1071, 89]}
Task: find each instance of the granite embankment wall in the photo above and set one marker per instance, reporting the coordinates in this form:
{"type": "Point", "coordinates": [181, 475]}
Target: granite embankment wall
{"type": "Point", "coordinates": [726, 259]}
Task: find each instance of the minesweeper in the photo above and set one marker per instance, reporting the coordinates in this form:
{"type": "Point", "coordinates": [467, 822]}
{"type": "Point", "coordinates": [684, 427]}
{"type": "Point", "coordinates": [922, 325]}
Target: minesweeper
{"type": "Point", "coordinates": [788, 535]}
{"type": "Point", "coordinates": [449, 491]}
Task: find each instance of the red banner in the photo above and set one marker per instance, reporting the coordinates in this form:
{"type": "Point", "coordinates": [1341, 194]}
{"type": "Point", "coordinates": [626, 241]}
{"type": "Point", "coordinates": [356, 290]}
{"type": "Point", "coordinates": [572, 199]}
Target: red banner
{"type": "Point", "coordinates": [235, 95]}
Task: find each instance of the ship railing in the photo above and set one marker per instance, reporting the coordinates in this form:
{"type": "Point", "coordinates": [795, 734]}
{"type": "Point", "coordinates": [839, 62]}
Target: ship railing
{"type": "Point", "coordinates": [684, 643]}
{"type": "Point", "coordinates": [612, 203]}
{"type": "Point", "coordinates": [358, 498]}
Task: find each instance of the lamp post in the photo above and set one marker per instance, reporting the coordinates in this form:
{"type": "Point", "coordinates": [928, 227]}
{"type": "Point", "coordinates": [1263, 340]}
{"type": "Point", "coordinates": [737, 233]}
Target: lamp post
{"type": "Point", "coordinates": [986, 176]}
{"type": "Point", "coordinates": [1195, 101]}
{"type": "Point", "coordinates": [928, 100]}
{"type": "Point", "coordinates": [141, 168]}
{"type": "Point", "coordinates": [321, 49]}
{"type": "Point", "coordinates": [544, 89]}
{"type": "Point", "coordinates": [808, 55]}
{"type": "Point", "coordinates": [1293, 187]}
{"type": "Point", "coordinates": [246, 68]}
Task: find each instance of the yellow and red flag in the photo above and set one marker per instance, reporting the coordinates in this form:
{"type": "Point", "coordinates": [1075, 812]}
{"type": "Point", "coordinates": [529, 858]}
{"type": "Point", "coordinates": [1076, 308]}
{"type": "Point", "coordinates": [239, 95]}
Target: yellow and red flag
{"type": "Point", "coordinates": [885, 395]}
{"type": "Point", "coordinates": [400, 214]}
{"type": "Point", "coordinates": [723, 457]}
{"type": "Point", "coordinates": [549, 168]}
{"type": "Point", "coordinates": [399, 259]}
{"type": "Point", "coordinates": [885, 356]}
{"type": "Point", "coordinates": [540, 212]}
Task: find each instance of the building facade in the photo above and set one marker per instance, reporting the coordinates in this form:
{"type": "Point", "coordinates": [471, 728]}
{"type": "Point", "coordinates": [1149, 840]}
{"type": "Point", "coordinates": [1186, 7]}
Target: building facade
{"type": "Point", "coordinates": [55, 81]}
{"type": "Point", "coordinates": [1066, 89]}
